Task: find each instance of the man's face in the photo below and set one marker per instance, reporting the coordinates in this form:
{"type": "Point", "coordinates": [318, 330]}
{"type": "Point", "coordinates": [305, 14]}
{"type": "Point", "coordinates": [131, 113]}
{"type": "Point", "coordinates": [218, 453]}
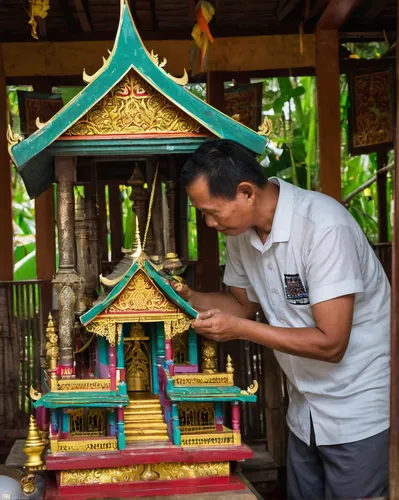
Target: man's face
{"type": "Point", "coordinates": [230, 217]}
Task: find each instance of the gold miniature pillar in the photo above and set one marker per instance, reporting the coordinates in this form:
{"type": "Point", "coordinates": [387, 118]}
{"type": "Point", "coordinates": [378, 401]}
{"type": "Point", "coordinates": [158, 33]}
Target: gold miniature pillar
{"type": "Point", "coordinates": [209, 356]}
{"type": "Point", "coordinates": [67, 282]}
{"type": "Point", "coordinates": [52, 350]}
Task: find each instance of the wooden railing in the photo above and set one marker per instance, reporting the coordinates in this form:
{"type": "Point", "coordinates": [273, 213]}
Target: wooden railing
{"type": "Point", "coordinates": [21, 319]}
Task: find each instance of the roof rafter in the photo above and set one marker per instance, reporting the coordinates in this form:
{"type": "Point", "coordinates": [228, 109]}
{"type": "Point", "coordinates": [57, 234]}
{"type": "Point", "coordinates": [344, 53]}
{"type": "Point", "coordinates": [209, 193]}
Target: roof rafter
{"type": "Point", "coordinates": [83, 15]}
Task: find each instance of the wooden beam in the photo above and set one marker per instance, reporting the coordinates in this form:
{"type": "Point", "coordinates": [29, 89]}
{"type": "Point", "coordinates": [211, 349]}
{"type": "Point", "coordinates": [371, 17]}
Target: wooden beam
{"type": "Point", "coordinates": [394, 434]}
{"type": "Point", "coordinates": [328, 108]}
{"type": "Point", "coordinates": [375, 9]}
{"type": "Point", "coordinates": [328, 94]}
{"type": "Point", "coordinates": [336, 13]}
{"type": "Point", "coordinates": [285, 7]}
{"type": "Point", "coordinates": [207, 268]}
{"type": "Point", "coordinates": [82, 13]}
{"type": "Point", "coordinates": [6, 229]}
{"type": "Point", "coordinates": [227, 54]}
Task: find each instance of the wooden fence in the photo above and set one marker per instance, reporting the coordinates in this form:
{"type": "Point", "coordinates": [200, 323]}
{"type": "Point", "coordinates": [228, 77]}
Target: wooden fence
{"type": "Point", "coordinates": [20, 339]}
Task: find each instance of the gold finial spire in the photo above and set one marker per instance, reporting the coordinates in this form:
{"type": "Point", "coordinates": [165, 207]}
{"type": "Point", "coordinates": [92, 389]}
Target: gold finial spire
{"type": "Point", "coordinates": [229, 365]}
{"type": "Point", "coordinates": [34, 446]}
{"type": "Point", "coordinates": [137, 249]}
{"type": "Point", "coordinates": [52, 349]}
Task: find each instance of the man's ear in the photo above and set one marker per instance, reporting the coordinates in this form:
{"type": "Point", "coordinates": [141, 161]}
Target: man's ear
{"type": "Point", "coordinates": [246, 189]}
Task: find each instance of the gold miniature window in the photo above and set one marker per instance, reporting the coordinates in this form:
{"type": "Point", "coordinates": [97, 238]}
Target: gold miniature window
{"type": "Point", "coordinates": [88, 422]}
{"type": "Point", "coordinates": [180, 349]}
{"type": "Point", "coordinates": [196, 417]}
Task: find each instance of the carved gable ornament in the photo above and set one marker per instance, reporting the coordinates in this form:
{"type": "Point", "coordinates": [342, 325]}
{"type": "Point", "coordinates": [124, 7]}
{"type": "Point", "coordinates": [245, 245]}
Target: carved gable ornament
{"type": "Point", "coordinates": [134, 107]}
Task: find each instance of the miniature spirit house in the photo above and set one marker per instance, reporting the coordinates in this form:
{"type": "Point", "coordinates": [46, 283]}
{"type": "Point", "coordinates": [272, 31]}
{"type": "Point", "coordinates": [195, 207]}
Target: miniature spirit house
{"type": "Point", "coordinates": [130, 394]}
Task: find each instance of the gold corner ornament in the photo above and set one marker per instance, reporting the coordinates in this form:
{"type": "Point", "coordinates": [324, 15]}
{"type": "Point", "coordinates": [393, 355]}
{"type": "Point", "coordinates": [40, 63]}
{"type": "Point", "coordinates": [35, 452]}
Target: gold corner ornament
{"type": "Point", "coordinates": [34, 446]}
{"type": "Point", "coordinates": [35, 395]}
{"type": "Point", "coordinates": [39, 124]}
{"type": "Point", "coordinates": [89, 78]}
{"type": "Point", "coordinates": [252, 389]}
{"type": "Point", "coordinates": [266, 128]}
{"type": "Point", "coordinates": [12, 138]}
{"type": "Point", "coordinates": [183, 80]}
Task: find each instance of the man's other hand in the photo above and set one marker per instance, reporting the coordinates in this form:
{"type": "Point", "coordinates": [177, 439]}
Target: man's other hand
{"type": "Point", "coordinates": [218, 326]}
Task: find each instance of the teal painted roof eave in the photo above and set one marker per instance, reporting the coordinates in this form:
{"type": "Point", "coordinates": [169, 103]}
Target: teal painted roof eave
{"type": "Point", "coordinates": [209, 394]}
{"type": "Point", "coordinates": [90, 315]}
{"type": "Point", "coordinates": [82, 399]}
{"type": "Point", "coordinates": [130, 53]}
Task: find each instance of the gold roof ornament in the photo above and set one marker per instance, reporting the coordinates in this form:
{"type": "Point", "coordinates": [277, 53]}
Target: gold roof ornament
{"type": "Point", "coordinates": [252, 389]}
{"type": "Point", "coordinates": [34, 446]}
{"type": "Point", "coordinates": [52, 349]}
{"type": "Point", "coordinates": [229, 365]}
{"type": "Point", "coordinates": [12, 138]}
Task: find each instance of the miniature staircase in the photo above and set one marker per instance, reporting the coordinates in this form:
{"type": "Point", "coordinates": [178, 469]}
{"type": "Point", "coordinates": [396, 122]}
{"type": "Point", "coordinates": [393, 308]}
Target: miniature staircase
{"type": "Point", "coordinates": [144, 419]}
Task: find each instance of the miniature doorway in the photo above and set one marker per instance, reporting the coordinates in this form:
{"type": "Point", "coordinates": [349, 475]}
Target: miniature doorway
{"type": "Point", "coordinates": [137, 360]}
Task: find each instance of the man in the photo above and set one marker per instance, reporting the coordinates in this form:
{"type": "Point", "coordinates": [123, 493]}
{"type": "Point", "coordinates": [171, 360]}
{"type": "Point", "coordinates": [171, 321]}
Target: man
{"type": "Point", "coordinates": [302, 257]}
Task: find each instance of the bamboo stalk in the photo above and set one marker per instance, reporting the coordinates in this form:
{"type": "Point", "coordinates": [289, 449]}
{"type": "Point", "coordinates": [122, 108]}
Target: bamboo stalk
{"type": "Point", "coordinates": [366, 184]}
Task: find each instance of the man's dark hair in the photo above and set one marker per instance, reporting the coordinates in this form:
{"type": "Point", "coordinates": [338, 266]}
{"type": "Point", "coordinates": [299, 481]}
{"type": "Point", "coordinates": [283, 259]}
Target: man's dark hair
{"type": "Point", "coordinates": [225, 164]}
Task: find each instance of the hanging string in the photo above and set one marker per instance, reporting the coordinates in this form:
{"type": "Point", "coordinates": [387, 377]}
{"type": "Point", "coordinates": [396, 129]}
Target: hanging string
{"type": "Point", "coordinates": [147, 227]}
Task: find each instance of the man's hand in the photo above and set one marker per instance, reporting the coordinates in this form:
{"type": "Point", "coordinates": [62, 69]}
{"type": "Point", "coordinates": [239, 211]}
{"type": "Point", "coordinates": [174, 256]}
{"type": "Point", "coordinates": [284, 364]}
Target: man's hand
{"type": "Point", "coordinates": [218, 326]}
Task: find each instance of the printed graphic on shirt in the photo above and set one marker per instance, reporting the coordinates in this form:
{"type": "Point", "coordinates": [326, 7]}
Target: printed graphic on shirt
{"type": "Point", "coordinates": [295, 292]}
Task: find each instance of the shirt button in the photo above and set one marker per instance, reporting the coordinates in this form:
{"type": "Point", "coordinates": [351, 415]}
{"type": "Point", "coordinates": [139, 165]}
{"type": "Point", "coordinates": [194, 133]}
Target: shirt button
{"type": "Point", "coordinates": [274, 290]}
{"type": "Point", "coordinates": [269, 266]}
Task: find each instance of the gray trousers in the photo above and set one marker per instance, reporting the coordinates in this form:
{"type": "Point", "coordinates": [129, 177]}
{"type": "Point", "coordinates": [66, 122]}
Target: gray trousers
{"type": "Point", "coordinates": [345, 471]}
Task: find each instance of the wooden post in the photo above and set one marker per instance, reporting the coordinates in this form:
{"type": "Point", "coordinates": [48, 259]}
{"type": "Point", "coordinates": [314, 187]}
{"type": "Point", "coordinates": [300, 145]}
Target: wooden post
{"type": "Point", "coordinates": [207, 269]}
{"type": "Point", "coordinates": [6, 229]}
{"type": "Point", "coordinates": [328, 94]}
{"type": "Point", "coordinates": [394, 435]}
{"type": "Point", "coordinates": [328, 106]}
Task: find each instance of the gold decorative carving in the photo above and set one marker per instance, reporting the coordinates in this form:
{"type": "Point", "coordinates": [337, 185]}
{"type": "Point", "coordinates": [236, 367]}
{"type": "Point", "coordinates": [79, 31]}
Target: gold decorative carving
{"type": "Point", "coordinates": [76, 420]}
{"type": "Point", "coordinates": [203, 379]}
{"type": "Point", "coordinates": [183, 80]}
{"type": "Point", "coordinates": [196, 416]}
{"type": "Point", "coordinates": [90, 422]}
{"type": "Point", "coordinates": [89, 78]}
{"type": "Point", "coordinates": [187, 429]}
{"type": "Point", "coordinates": [221, 439]}
{"type": "Point", "coordinates": [137, 362]}
{"type": "Point", "coordinates": [176, 327]}
{"type": "Point", "coordinates": [12, 138]}
{"type": "Point", "coordinates": [27, 484]}
{"type": "Point", "coordinates": [149, 474]}
{"type": "Point", "coordinates": [66, 445]}
{"type": "Point", "coordinates": [209, 356]}
{"type": "Point", "coordinates": [34, 446]}
{"type": "Point", "coordinates": [252, 389]}
{"type": "Point", "coordinates": [133, 106]}
{"type": "Point", "coordinates": [165, 471]}
{"type": "Point", "coordinates": [266, 127]}
{"type": "Point", "coordinates": [141, 294]}
{"type": "Point", "coordinates": [229, 365]}
{"type": "Point", "coordinates": [82, 385]}
{"type": "Point", "coordinates": [105, 328]}
{"type": "Point", "coordinates": [180, 349]}
{"type": "Point", "coordinates": [35, 395]}
{"type": "Point", "coordinates": [52, 349]}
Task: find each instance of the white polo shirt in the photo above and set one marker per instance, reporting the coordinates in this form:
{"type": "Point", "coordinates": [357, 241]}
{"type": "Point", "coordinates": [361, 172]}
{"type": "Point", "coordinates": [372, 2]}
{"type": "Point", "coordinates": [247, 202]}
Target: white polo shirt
{"type": "Point", "coordinates": [315, 252]}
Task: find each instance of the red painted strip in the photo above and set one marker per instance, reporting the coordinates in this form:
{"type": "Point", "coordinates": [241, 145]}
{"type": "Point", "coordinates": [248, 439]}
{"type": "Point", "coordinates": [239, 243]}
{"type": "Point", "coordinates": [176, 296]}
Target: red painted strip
{"type": "Point", "coordinates": [141, 489]}
{"type": "Point", "coordinates": [149, 455]}
{"type": "Point", "coordinates": [128, 136]}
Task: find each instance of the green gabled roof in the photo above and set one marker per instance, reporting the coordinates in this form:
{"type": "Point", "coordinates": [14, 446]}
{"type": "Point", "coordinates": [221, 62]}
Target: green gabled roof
{"type": "Point", "coordinates": [128, 53]}
{"type": "Point", "coordinates": [165, 287]}
{"type": "Point", "coordinates": [82, 399]}
{"type": "Point", "coordinates": [209, 394]}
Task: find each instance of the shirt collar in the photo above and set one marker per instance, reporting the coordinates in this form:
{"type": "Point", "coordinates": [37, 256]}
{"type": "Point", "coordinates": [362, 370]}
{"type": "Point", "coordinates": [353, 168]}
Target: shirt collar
{"type": "Point", "coordinates": [281, 227]}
